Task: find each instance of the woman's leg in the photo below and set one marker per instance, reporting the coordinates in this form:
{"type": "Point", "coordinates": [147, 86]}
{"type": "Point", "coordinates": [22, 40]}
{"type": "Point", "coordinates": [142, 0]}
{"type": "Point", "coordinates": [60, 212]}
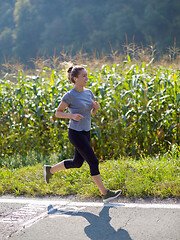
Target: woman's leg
{"type": "Point", "coordinates": [77, 162]}
{"type": "Point", "coordinates": [57, 167]}
{"type": "Point", "coordinates": [83, 150]}
{"type": "Point", "coordinates": [86, 151]}
{"type": "Point", "coordinates": [98, 181]}
{"type": "Point", "coordinates": [81, 140]}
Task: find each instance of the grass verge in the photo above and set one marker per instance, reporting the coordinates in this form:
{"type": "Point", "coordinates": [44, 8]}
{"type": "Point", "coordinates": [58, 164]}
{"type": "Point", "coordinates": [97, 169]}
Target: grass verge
{"type": "Point", "coordinates": [142, 178]}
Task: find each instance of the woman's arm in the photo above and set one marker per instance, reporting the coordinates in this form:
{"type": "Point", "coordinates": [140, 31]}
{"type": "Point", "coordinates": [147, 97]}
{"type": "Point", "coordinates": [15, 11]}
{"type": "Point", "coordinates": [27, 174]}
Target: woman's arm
{"type": "Point", "coordinates": [61, 114]}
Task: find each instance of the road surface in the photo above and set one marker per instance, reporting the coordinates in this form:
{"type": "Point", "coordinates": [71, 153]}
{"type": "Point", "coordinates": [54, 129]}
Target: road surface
{"type": "Point", "coordinates": [37, 219]}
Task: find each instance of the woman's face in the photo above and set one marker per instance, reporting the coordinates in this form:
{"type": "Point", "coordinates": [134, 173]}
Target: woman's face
{"type": "Point", "coordinates": [82, 78]}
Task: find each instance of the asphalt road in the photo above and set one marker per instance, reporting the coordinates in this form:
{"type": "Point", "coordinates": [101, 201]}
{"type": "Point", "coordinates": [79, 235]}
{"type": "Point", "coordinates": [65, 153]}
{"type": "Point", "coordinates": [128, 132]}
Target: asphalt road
{"type": "Point", "coordinates": [44, 219]}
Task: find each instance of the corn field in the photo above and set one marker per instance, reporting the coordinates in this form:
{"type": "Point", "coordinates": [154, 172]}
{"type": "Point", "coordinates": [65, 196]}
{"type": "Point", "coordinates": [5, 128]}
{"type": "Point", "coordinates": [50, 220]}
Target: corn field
{"type": "Point", "coordinates": [139, 111]}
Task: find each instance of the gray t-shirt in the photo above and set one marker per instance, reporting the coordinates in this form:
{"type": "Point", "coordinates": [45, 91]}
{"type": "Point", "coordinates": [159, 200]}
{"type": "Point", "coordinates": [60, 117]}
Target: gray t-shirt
{"type": "Point", "coordinates": [80, 103]}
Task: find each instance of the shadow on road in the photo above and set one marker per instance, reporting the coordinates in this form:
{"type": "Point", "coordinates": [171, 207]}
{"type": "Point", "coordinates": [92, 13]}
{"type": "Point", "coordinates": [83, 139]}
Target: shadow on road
{"type": "Point", "coordinates": [100, 227]}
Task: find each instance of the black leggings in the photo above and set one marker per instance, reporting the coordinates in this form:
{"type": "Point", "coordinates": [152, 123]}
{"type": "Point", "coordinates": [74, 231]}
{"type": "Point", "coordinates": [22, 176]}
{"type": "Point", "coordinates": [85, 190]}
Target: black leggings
{"type": "Point", "coordinates": [83, 151]}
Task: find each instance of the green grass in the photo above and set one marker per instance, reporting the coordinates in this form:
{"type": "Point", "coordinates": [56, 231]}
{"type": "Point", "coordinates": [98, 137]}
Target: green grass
{"type": "Point", "coordinates": [137, 178]}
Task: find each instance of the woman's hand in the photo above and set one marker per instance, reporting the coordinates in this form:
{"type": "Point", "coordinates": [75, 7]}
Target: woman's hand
{"type": "Point", "coordinates": [76, 117]}
{"type": "Point", "coordinates": [96, 107]}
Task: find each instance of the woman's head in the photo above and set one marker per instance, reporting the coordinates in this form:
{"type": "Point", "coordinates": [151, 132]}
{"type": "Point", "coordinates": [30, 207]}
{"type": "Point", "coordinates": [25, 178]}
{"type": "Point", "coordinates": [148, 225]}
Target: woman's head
{"type": "Point", "coordinates": [73, 73]}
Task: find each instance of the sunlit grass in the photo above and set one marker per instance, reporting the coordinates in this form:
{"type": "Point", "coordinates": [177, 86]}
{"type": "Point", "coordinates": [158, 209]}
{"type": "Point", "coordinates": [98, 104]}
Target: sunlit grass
{"type": "Point", "coordinates": [142, 178]}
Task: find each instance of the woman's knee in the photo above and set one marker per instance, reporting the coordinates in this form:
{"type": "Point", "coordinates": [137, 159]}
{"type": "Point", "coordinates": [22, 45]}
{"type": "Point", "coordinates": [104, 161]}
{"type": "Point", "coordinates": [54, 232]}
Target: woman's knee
{"type": "Point", "coordinates": [94, 168]}
{"type": "Point", "coordinates": [72, 164]}
{"type": "Point", "coordinates": [78, 164]}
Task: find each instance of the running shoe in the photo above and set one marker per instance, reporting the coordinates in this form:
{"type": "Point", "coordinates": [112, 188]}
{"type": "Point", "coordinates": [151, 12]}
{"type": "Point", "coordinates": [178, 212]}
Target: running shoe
{"type": "Point", "coordinates": [110, 195]}
{"type": "Point", "coordinates": [47, 173]}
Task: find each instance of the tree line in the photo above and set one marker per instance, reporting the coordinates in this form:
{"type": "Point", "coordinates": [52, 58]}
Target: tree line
{"type": "Point", "coordinates": [31, 27]}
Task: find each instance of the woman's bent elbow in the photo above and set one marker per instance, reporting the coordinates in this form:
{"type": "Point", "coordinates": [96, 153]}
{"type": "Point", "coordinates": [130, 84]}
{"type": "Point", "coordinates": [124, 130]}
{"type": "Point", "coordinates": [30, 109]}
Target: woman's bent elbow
{"type": "Point", "coordinates": [56, 114]}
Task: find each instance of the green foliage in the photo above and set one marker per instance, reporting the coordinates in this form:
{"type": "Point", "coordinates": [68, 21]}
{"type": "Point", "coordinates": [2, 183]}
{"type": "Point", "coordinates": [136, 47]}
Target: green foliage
{"type": "Point", "coordinates": [139, 114]}
{"type": "Point", "coordinates": [27, 109]}
{"type": "Point", "coordinates": [139, 110]}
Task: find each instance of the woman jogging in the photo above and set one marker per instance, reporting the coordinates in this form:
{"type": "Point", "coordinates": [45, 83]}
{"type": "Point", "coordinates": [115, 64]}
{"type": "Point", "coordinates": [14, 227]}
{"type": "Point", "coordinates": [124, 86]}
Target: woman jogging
{"type": "Point", "coordinates": [80, 102]}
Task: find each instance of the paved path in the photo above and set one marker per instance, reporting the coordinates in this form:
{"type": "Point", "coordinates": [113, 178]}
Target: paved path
{"type": "Point", "coordinates": [37, 219]}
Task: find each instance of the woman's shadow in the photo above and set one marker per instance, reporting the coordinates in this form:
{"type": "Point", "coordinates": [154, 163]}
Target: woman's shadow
{"type": "Point", "coordinates": [99, 228]}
